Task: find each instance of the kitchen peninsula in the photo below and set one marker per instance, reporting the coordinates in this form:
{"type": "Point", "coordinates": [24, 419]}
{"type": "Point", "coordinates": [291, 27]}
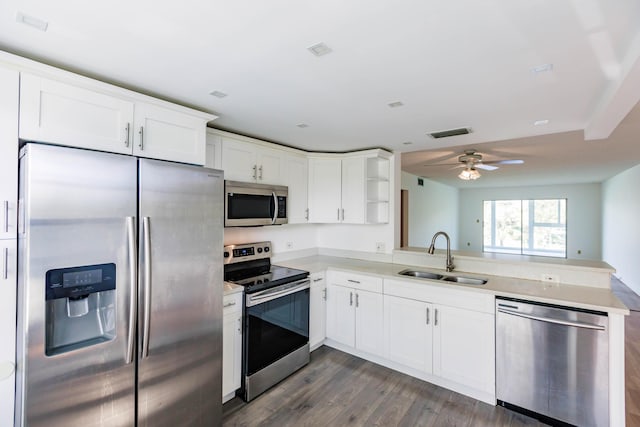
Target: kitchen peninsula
{"type": "Point", "coordinates": [466, 364]}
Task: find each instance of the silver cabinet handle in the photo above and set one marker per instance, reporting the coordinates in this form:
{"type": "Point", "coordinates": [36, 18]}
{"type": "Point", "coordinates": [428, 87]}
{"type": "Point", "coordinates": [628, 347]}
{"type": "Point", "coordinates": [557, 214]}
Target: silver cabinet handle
{"type": "Point", "coordinates": [126, 139]}
{"type": "Point", "coordinates": [6, 216]}
{"type": "Point", "coordinates": [338, 214]}
{"type": "Point", "coordinates": [5, 263]}
{"type": "Point", "coordinates": [342, 214]}
{"type": "Point", "coordinates": [324, 294]}
{"type": "Point", "coordinates": [255, 176]}
{"type": "Point", "coordinates": [306, 214]}
{"type": "Point", "coordinates": [146, 238]}
{"type": "Point", "coordinates": [357, 300]}
{"type": "Point", "coordinates": [352, 281]}
{"type": "Point", "coordinates": [350, 298]}
{"type": "Point", "coordinates": [427, 315]}
{"type": "Point", "coordinates": [229, 304]}
{"type": "Point", "coordinates": [317, 280]}
{"type": "Point", "coordinates": [583, 325]}
{"type": "Point", "coordinates": [141, 132]}
{"type": "Point", "coordinates": [133, 288]}
{"type": "Point", "coordinates": [260, 169]}
{"type": "Point", "coordinates": [435, 318]}
{"type": "Point", "coordinates": [240, 325]}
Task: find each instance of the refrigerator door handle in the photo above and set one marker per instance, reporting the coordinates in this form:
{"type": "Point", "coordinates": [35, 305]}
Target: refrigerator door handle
{"type": "Point", "coordinates": [146, 239]}
{"type": "Point", "coordinates": [133, 300]}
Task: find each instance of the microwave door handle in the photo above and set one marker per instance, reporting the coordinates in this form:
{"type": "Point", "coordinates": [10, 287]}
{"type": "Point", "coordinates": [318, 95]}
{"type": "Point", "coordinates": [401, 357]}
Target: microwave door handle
{"type": "Point", "coordinates": [275, 207]}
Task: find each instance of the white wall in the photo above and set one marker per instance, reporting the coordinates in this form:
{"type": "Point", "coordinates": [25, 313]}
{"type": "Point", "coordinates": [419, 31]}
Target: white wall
{"type": "Point", "coordinates": [584, 214]}
{"type": "Point", "coordinates": [621, 226]}
{"type": "Point", "coordinates": [432, 208]}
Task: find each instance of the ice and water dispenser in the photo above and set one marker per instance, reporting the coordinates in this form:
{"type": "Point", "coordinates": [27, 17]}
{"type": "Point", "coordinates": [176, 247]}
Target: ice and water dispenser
{"type": "Point", "coordinates": [80, 307]}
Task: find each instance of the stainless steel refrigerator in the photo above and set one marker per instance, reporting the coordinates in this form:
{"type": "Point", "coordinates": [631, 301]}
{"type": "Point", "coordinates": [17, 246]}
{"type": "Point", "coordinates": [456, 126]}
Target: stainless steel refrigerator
{"type": "Point", "coordinates": [119, 291]}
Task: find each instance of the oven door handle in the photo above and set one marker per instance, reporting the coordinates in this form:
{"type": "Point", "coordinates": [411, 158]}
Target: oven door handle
{"type": "Point", "coordinates": [271, 294]}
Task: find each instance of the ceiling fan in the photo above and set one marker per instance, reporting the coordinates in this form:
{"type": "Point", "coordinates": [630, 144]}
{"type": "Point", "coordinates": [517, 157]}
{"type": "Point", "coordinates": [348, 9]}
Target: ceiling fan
{"type": "Point", "coordinates": [471, 161]}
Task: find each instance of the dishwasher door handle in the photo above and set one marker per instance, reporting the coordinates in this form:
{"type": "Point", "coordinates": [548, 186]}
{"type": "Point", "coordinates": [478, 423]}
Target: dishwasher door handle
{"type": "Point", "coordinates": [583, 325]}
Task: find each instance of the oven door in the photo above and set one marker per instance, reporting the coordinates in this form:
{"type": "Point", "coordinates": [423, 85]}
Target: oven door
{"type": "Point", "coordinates": [276, 324]}
{"type": "Point", "coordinates": [248, 204]}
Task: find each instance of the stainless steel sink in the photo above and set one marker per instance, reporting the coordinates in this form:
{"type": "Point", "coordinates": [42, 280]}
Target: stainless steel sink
{"type": "Point", "coordinates": [421, 274]}
{"type": "Point", "coordinates": [465, 280]}
{"type": "Point", "coordinates": [435, 276]}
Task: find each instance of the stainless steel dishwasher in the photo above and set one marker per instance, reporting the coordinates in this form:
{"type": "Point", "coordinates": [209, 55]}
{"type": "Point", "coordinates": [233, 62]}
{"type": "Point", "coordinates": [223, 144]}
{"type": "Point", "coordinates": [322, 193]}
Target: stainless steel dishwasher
{"type": "Point", "coordinates": [552, 362]}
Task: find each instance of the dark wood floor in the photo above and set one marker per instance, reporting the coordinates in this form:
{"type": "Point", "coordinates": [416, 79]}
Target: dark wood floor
{"type": "Point", "coordinates": [337, 389]}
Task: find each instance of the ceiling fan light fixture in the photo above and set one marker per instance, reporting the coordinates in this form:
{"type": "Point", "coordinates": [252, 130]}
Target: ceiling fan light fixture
{"type": "Point", "coordinates": [469, 174]}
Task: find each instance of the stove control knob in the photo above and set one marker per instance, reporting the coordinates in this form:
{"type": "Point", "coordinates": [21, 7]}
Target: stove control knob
{"type": "Point", "coordinates": [259, 250]}
{"type": "Point", "coordinates": [259, 282]}
{"type": "Point", "coordinates": [226, 254]}
{"type": "Point", "coordinates": [266, 249]}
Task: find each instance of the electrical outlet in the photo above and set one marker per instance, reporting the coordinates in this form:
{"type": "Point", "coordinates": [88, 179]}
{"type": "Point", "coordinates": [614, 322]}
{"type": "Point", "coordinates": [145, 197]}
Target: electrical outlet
{"type": "Point", "coordinates": [289, 245]}
{"type": "Point", "coordinates": [550, 278]}
{"type": "Point", "coordinates": [380, 247]}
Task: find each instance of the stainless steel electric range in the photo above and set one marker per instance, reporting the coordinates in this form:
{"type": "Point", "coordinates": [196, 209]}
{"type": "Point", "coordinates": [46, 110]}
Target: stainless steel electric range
{"type": "Point", "coordinates": [276, 316]}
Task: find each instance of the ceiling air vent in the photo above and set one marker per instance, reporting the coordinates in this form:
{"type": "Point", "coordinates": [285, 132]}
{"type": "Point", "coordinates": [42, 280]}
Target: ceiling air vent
{"type": "Point", "coordinates": [450, 132]}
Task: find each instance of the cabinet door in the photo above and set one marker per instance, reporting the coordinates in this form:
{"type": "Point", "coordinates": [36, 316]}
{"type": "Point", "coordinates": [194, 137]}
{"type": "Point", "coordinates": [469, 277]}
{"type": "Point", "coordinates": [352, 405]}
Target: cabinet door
{"type": "Point", "coordinates": [353, 190]}
{"type": "Point", "coordinates": [369, 322]}
{"type": "Point", "coordinates": [271, 167]}
{"type": "Point", "coordinates": [213, 157]}
{"type": "Point", "coordinates": [231, 353]}
{"type": "Point", "coordinates": [464, 347]}
{"type": "Point", "coordinates": [239, 160]}
{"type": "Point", "coordinates": [162, 133]}
{"type": "Point", "coordinates": [340, 315]}
{"type": "Point", "coordinates": [317, 310]}
{"type": "Point", "coordinates": [325, 182]}
{"type": "Point", "coordinates": [8, 153]}
{"type": "Point", "coordinates": [297, 173]}
{"type": "Point", "coordinates": [408, 332]}
{"type": "Point", "coordinates": [8, 282]}
{"type": "Point", "coordinates": [63, 114]}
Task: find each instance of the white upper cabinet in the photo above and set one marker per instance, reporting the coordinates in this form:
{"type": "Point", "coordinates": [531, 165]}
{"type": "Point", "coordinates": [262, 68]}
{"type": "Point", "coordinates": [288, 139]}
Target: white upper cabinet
{"type": "Point", "coordinates": [296, 171]}
{"type": "Point", "coordinates": [352, 188]}
{"type": "Point", "coordinates": [66, 114]}
{"type": "Point", "coordinates": [248, 162]}
{"type": "Point", "coordinates": [325, 189]}
{"type": "Point", "coordinates": [213, 155]}
{"type": "Point", "coordinates": [161, 133]}
{"type": "Point", "coordinates": [8, 153]}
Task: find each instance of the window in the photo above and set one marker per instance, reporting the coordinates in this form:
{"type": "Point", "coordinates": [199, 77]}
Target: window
{"type": "Point", "coordinates": [527, 227]}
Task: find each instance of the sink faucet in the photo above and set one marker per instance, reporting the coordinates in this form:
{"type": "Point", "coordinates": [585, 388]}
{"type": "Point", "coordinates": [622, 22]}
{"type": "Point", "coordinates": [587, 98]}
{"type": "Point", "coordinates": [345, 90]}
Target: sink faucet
{"type": "Point", "coordinates": [450, 265]}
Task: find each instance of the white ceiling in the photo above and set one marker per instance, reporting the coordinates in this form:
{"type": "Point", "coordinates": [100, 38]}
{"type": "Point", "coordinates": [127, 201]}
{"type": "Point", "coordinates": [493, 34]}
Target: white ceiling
{"type": "Point", "coordinates": [451, 63]}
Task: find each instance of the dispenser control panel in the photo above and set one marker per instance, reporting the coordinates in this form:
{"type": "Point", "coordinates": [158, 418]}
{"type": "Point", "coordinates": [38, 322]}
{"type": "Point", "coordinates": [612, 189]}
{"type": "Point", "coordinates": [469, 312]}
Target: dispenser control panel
{"type": "Point", "coordinates": [74, 282]}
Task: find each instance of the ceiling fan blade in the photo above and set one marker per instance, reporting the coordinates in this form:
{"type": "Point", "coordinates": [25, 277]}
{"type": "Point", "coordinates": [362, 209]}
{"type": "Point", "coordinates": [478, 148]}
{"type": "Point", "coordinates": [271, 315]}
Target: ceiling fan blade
{"type": "Point", "coordinates": [485, 167]}
{"type": "Point", "coordinates": [441, 164]}
{"type": "Point", "coordinates": [505, 162]}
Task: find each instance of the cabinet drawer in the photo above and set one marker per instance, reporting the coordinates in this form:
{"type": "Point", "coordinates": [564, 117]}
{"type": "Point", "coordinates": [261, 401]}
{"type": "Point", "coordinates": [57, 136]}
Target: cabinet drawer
{"type": "Point", "coordinates": [469, 300]}
{"type": "Point", "coordinates": [355, 281]}
{"type": "Point", "coordinates": [232, 303]}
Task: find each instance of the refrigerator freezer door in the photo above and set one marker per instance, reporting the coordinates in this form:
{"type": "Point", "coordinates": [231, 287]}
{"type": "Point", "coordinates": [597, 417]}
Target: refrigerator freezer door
{"type": "Point", "coordinates": [180, 295]}
{"type": "Point", "coordinates": [74, 206]}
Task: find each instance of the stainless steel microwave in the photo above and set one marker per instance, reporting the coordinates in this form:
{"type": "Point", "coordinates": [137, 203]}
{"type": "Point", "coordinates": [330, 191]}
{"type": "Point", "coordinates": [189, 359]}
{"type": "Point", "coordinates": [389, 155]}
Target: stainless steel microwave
{"type": "Point", "coordinates": [247, 204]}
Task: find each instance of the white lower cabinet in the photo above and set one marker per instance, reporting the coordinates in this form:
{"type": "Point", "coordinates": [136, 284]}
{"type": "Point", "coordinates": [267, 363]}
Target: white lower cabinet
{"type": "Point", "coordinates": [464, 347]}
{"type": "Point", "coordinates": [408, 332]}
{"type": "Point", "coordinates": [8, 278]}
{"type": "Point", "coordinates": [453, 345]}
{"type": "Point", "coordinates": [355, 315]}
{"type": "Point", "coordinates": [317, 310]}
{"type": "Point", "coordinates": [231, 345]}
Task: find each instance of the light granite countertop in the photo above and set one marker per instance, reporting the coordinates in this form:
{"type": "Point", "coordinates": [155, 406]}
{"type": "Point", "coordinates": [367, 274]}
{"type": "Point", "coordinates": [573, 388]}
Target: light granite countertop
{"type": "Point", "coordinates": [585, 297]}
{"type": "Point", "coordinates": [232, 288]}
